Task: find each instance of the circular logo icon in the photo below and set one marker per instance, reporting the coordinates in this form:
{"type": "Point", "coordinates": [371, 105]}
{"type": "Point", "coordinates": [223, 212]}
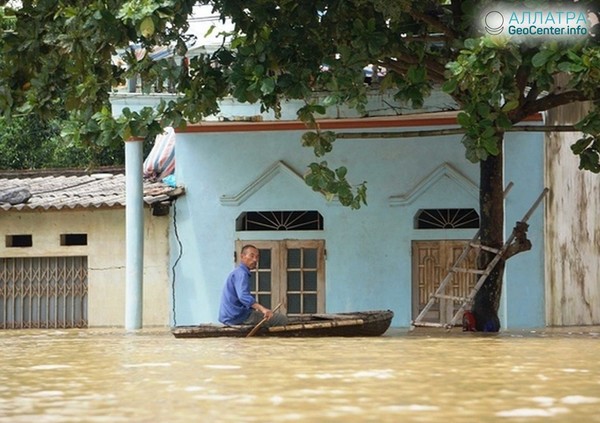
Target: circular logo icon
{"type": "Point", "coordinates": [494, 22]}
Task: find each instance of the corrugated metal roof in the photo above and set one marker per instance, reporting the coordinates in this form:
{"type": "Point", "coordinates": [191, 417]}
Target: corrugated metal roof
{"type": "Point", "coordinates": [81, 191]}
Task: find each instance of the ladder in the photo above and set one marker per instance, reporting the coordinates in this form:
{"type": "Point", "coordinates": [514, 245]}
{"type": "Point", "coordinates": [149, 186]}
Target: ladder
{"type": "Point", "coordinates": [474, 243]}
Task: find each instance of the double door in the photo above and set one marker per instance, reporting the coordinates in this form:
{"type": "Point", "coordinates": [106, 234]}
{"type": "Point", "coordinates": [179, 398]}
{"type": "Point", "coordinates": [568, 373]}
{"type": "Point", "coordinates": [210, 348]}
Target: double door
{"type": "Point", "coordinates": [431, 261]}
{"type": "Point", "coordinates": [290, 273]}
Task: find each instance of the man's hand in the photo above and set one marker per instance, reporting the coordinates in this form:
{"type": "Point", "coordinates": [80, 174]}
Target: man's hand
{"type": "Point", "coordinates": [268, 313]}
{"type": "Point", "coordinates": [264, 310]}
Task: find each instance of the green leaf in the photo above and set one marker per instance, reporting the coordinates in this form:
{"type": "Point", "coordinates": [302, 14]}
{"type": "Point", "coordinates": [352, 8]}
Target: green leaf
{"type": "Point", "coordinates": [488, 132]}
{"type": "Point", "coordinates": [147, 27]}
{"type": "Point", "coordinates": [481, 153]}
{"type": "Point", "coordinates": [341, 172]}
{"type": "Point", "coordinates": [317, 108]}
{"type": "Point", "coordinates": [470, 43]}
{"type": "Point", "coordinates": [450, 86]}
{"type": "Point", "coordinates": [581, 144]}
{"type": "Point", "coordinates": [541, 58]}
{"type": "Point", "coordinates": [490, 144]}
{"type": "Point", "coordinates": [416, 74]}
{"type": "Point", "coordinates": [309, 139]}
{"type": "Point", "coordinates": [463, 119]}
{"type": "Point", "coordinates": [510, 105]}
{"type": "Point", "coordinates": [503, 122]}
{"type": "Point", "coordinates": [483, 110]}
{"type": "Point", "coordinates": [267, 86]}
{"type": "Point", "coordinates": [330, 100]}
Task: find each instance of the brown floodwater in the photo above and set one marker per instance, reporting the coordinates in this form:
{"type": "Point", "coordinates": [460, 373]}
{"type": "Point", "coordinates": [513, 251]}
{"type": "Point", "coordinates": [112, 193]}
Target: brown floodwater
{"type": "Point", "coordinates": [109, 375]}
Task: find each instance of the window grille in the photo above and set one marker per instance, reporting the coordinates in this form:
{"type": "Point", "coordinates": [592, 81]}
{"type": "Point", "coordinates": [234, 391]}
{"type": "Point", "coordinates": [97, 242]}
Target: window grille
{"type": "Point", "coordinates": [446, 219]}
{"type": "Point", "coordinates": [280, 221]}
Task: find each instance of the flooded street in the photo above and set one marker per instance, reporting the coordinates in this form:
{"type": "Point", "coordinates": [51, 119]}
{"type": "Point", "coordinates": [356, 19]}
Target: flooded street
{"type": "Point", "coordinates": [107, 375]}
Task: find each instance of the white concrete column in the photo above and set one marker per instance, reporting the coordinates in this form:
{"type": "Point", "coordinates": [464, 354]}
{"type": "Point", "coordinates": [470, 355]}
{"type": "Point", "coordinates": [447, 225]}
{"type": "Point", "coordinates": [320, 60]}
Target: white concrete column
{"type": "Point", "coordinates": [134, 233]}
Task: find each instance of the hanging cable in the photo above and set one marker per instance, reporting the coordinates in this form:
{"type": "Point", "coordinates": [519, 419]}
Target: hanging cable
{"type": "Point", "coordinates": [176, 261]}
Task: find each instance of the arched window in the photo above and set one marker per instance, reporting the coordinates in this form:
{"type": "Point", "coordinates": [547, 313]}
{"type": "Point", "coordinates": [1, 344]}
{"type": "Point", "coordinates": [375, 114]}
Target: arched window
{"type": "Point", "coordinates": [446, 219]}
{"type": "Point", "coordinates": [280, 221]}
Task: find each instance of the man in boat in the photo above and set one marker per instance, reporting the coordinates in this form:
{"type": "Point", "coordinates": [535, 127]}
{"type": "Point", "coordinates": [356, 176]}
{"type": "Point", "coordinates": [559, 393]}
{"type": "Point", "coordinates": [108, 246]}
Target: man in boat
{"type": "Point", "coordinates": [238, 305]}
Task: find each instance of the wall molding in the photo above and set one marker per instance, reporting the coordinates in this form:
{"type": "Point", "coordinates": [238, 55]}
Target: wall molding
{"type": "Point", "coordinates": [443, 171]}
{"type": "Point", "coordinates": [278, 168]}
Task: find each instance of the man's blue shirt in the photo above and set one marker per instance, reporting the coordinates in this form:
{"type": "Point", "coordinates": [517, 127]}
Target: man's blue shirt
{"type": "Point", "coordinates": [236, 299]}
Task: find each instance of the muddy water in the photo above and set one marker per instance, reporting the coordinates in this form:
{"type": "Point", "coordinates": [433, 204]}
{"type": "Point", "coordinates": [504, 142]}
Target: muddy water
{"type": "Point", "coordinates": [149, 376]}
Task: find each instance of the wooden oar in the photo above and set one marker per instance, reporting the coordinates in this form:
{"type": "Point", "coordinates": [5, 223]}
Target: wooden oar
{"type": "Point", "coordinates": [259, 324]}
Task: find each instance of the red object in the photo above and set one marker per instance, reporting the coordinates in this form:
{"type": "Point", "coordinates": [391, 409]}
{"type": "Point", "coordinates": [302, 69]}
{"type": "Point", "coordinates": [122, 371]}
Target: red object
{"type": "Point", "coordinates": [469, 322]}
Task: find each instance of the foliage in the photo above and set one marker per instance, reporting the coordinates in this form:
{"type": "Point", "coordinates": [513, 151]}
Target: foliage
{"type": "Point", "coordinates": [24, 143]}
{"type": "Point", "coordinates": [7, 23]}
{"type": "Point", "coordinates": [59, 57]}
{"type": "Point", "coordinates": [29, 143]}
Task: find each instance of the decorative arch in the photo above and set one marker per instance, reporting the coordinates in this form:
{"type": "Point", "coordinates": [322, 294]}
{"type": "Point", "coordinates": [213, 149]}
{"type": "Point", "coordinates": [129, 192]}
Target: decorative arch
{"type": "Point", "coordinates": [277, 169]}
{"type": "Point", "coordinates": [444, 171]}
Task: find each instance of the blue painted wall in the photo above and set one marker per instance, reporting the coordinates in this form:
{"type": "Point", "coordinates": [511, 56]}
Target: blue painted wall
{"type": "Point", "coordinates": [368, 251]}
{"type": "Point", "coordinates": [523, 304]}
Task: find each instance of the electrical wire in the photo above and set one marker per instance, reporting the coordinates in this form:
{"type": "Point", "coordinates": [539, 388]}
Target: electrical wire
{"type": "Point", "coordinates": [176, 261]}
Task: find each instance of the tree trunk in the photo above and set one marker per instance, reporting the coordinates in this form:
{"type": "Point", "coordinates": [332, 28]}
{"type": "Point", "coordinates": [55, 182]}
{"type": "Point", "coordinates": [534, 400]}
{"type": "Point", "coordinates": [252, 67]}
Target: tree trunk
{"type": "Point", "coordinates": [491, 203]}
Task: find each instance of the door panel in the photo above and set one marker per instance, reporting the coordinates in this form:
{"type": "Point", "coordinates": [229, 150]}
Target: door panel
{"type": "Point", "coordinates": [305, 277]}
{"type": "Point", "coordinates": [431, 261]}
{"type": "Point", "coordinates": [264, 280]}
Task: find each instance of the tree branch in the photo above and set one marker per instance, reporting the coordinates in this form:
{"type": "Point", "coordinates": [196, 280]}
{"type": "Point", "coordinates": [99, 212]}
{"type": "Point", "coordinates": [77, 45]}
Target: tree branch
{"type": "Point", "coordinates": [433, 22]}
{"type": "Point", "coordinates": [547, 102]}
{"type": "Point", "coordinates": [521, 80]}
{"type": "Point", "coordinates": [434, 69]}
{"type": "Point", "coordinates": [520, 243]}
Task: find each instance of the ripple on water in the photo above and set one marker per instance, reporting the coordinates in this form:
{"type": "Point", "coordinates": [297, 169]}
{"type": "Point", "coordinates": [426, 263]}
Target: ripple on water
{"type": "Point", "coordinates": [579, 399]}
{"type": "Point", "coordinates": [222, 366]}
{"type": "Point", "coordinates": [50, 367]}
{"type": "Point", "coordinates": [137, 365]}
{"type": "Point", "coordinates": [533, 412]}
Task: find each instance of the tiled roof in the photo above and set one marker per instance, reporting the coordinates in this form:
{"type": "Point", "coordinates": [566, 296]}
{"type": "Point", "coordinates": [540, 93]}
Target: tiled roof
{"type": "Point", "coordinates": [70, 191]}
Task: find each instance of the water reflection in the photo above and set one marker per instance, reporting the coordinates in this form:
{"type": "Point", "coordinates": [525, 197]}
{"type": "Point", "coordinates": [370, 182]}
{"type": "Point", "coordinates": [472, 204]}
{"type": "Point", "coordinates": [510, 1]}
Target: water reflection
{"type": "Point", "coordinates": [423, 376]}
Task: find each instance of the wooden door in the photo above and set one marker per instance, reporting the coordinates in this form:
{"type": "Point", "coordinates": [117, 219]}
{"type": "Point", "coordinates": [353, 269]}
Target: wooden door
{"type": "Point", "coordinates": [290, 272]}
{"type": "Point", "coordinates": [431, 261]}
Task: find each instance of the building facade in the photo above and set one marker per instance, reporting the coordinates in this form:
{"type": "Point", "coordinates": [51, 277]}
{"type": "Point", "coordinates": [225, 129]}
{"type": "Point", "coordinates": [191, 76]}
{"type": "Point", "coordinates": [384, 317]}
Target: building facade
{"type": "Point", "coordinates": [244, 185]}
{"type": "Point", "coordinates": [62, 262]}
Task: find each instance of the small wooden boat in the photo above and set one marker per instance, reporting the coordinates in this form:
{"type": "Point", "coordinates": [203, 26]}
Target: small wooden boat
{"type": "Point", "coordinates": [362, 323]}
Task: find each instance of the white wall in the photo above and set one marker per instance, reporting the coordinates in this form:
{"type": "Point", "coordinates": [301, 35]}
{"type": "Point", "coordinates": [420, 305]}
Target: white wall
{"type": "Point", "coordinates": [573, 230]}
{"type": "Point", "coordinates": [105, 229]}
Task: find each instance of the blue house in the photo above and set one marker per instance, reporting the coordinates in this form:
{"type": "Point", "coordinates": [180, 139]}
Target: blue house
{"type": "Point", "coordinates": [244, 185]}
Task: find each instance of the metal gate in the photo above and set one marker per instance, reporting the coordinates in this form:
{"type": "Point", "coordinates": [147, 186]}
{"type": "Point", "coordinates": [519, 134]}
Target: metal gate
{"type": "Point", "coordinates": [43, 292]}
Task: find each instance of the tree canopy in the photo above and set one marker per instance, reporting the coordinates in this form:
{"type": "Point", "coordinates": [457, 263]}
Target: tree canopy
{"type": "Point", "coordinates": [28, 142]}
{"type": "Point", "coordinates": [58, 56]}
